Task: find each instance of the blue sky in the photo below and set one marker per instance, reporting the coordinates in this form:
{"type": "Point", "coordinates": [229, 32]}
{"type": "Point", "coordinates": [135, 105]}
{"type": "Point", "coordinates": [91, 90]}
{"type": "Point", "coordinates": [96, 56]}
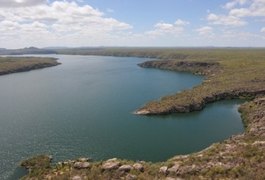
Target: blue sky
{"type": "Point", "coordinates": [132, 23]}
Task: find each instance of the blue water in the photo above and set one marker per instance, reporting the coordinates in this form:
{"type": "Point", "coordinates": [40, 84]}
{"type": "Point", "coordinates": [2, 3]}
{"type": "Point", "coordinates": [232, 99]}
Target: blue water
{"type": "Point", "coordinates": [84, 108]}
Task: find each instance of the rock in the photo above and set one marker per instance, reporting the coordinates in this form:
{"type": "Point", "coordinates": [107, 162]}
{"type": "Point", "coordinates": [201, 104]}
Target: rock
{"type": "Point", "coordinates": [174, 169]}
{"type": "Point", "coordinates": [50, 156]}
{"type": "Point", "coordinates": [82, 165]}
{"type": "Point", "coordinates": [48, 177]}
{"type": "Point", "coordinates": [259, 143]}
{"type": "Point", "coordinates": [142, 112]}
{"type": "Point", "coordinates": [180, 157]}
{"type": "Point", "coordinates": [111, 164]}
{"type": "Point", "coordinates": [67, 163]}
{"type": "Point", "coordinates": [76, 178]}
{"type": "Point", "coordinates": [130, 177]}
{"type": "Point", "coordinates": [171, 178]}
{"type": "Point", "coordinates": [138, 167]}
{"type": "Point", "coordinates": [125, 168]}
{"type": "Point", "coordinates": [84, 159]}
{"type": "Point", "coordinates": [163, 170]}
{"type": "Point", "coordinates": [113, 159]}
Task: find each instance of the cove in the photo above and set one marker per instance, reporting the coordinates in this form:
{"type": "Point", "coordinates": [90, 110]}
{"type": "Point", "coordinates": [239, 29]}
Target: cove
{"type": "Point", "coordinates": [84, 108]}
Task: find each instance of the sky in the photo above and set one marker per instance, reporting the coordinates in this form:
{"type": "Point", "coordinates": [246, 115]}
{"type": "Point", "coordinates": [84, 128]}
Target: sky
{"type": "Point", "coordinates": [162, 23]}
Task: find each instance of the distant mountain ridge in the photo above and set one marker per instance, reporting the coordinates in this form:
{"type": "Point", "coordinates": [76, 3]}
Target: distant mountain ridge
{"type": "Point", "coordinates": [27, 50]}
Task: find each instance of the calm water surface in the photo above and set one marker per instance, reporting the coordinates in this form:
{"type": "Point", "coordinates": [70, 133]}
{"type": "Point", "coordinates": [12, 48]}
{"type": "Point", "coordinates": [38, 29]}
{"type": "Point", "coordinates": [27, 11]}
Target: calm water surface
{"type": "Point", "coordinates": [84, 108]}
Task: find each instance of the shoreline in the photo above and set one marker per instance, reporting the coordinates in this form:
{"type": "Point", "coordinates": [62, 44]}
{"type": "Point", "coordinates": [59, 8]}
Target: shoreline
{"type": "Point", "coordinates": [193, 99]}
{"type": "Point", "coordinates": [237, 157]}
{"type": "Point", "coordinates": [10, 65]}
{"type": "Point", "coordinates": [227, 77]}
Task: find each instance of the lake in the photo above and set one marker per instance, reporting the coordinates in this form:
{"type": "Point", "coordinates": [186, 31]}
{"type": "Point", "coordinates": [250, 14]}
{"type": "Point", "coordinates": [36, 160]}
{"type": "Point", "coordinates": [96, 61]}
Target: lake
{"type": "Point", "coordinates": [84, 107]}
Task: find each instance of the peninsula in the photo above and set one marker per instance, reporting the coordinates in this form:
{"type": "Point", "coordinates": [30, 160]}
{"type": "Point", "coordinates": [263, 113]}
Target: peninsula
{"type": "Point", "coordinates": [229, 73]}
{"type": "Point", "coordinates": [10, 65]}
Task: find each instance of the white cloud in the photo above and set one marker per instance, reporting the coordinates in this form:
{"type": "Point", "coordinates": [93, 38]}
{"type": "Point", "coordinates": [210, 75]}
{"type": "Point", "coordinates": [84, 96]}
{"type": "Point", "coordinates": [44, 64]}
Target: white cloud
{"type": "Point", "coordinates": [205, 31]}
{"type": "Point", "coordinates": [242, 12]}
{"type": "Point", "coordinates": [234, 3]}
{"type": "Point", "coordinates": [62, 21]}
{"type": "Point", "coordinates": [225, 20]}
{"type": "Point", "coordinates": [237, 11]}
{"type": "Point", "coordinates": [180, 22]}
{"type": "Point", "coordinates": [262, 30]}
{"type": "Point", "coordinates": [162, 28]}
{"type": "Point", "coordinates": [255, 9]}
{"type": "Point", "coordinates": [20, 3]}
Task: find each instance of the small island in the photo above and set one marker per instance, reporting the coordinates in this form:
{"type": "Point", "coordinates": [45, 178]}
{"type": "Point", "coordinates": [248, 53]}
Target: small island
{"type": "Point", "coordinates": [10, 65]}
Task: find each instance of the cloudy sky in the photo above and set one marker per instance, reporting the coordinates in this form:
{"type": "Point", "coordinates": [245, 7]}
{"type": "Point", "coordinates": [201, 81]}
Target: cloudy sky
{"type": "Point", "coordinates": [72, 23]}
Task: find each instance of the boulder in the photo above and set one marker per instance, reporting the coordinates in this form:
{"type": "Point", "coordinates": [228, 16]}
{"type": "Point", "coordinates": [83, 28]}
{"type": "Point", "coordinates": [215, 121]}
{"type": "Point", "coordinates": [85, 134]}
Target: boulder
{"type": "Point", "coordinates": [113, 159]}
{"type": "Point", "coordinates": [130, 177]}
{"type": "Point", "coordinates": [163, 170]}
{"type": "Point", "coordinates": [171, 178]}
{"type": "Point", "coordinates": [83, 159]}
{"type": "Point", "coordinates": [174, 169]}
{"type": "Point", "coordinates": [76, 178]}
{"type": "Point", "coordinates": [111, 164]}
{"type": "Point", "coordinates": [125, 168]}
{"type": "Point", "coordinates": [82, 165]}
{"type": "Point", "coordinates": [138, 167]}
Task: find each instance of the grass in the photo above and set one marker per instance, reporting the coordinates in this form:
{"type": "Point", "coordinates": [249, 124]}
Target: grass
{"type": "Point", "coordinates": [229, 74]}
{"type": "Point", "coordinates": [20, 64]}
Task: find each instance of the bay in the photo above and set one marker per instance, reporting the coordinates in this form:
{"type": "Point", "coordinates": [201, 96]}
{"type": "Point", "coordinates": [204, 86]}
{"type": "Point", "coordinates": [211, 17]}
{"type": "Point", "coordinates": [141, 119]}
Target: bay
{"type": "Point", "coordinates": [84, 107]}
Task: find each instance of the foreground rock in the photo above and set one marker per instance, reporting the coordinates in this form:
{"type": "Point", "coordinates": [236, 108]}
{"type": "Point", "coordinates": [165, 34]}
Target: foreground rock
{"type": "Point", "coordinates": [111, 164]}
{"type": "Point", "coordinates": [240, 157]}
{"type": "Point", "coordinates": [138, 167]}
{"type": "Point", "coordinates": [174, 169]}
{"type": "Point", "coordinates": [82, 165]}
{"type": "Point", "coordinates": [125, 168]}
{"type": "Point", "coordinates": [163, 170]}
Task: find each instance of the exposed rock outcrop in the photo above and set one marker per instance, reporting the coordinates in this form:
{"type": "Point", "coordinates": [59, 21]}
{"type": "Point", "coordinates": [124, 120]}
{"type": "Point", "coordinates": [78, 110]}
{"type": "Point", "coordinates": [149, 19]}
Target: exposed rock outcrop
{"type": "Point", "coordinates": [82, 165]}
{"type": "Point", "coordinates": [111, 164]}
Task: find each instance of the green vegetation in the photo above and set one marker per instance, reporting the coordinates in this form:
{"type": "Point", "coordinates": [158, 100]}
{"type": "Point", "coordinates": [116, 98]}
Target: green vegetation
{"type": "Point", "coordinates": [20, 64]}
{"type": "Point", "coordinates": [229, 73]}
{"type": "Point", "coordinates": [37, 165]}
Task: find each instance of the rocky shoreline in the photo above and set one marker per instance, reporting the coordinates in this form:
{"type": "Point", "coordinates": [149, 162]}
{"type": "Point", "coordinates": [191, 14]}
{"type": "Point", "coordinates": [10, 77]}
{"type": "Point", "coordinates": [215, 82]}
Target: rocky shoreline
{"type": "Point", "coordinates": [209, 91]}
{"type": "Point", "coordinates": [197, 106]}
{"type": "Point", "coordinates": [29, 68]}
{"type": "Point", "coordinates": [239, 157]}
{"type": "Point", "coordinates": [228, 75]}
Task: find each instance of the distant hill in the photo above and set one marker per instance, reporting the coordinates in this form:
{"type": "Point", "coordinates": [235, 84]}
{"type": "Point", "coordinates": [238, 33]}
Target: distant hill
{"type": "Point", "coordinates": [28, 50]}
